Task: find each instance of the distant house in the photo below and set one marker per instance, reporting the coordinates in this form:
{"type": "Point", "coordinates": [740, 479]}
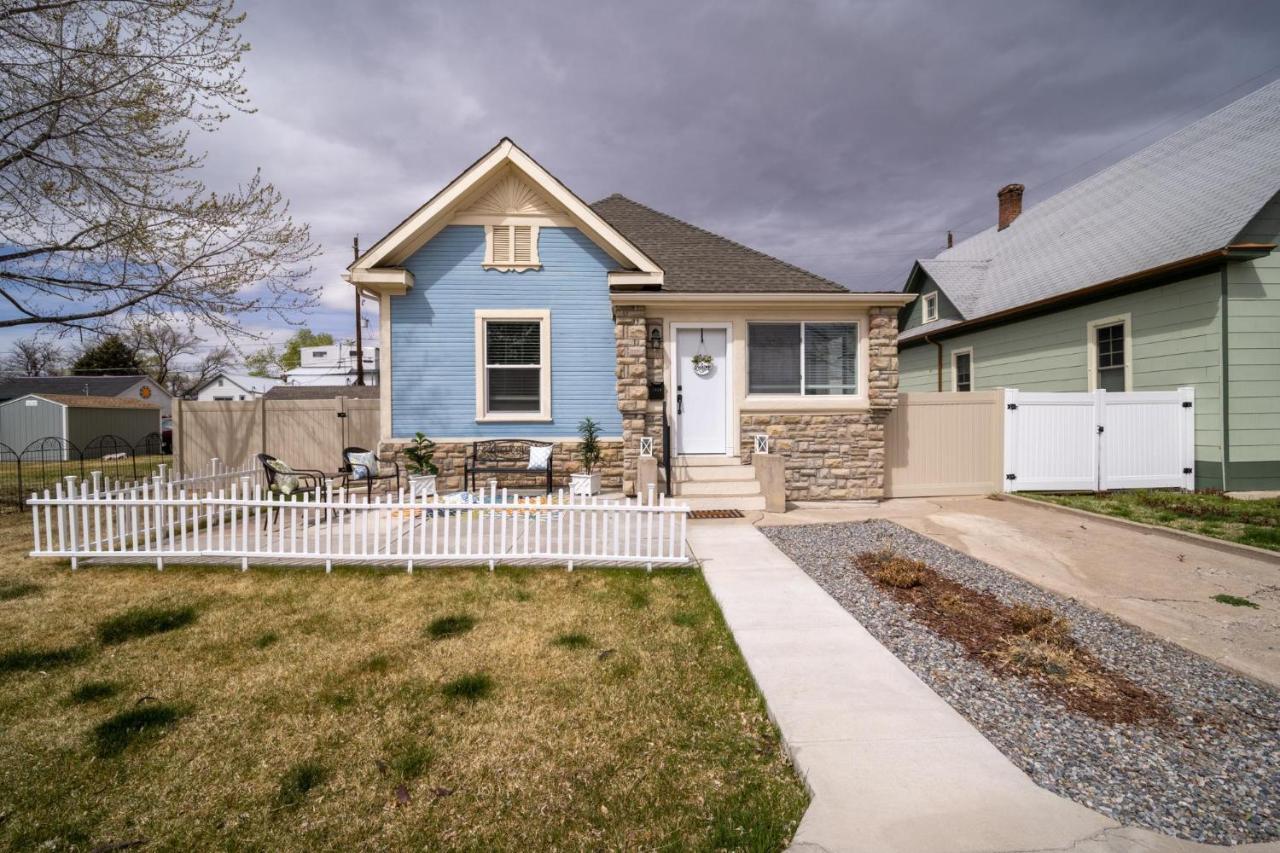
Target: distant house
{"type": "Point", "coordinates": [333, 365]}
{"type": "Point", "coordinates": [132, 387]}
{"type": "Point", "coordinates": [233, 386]}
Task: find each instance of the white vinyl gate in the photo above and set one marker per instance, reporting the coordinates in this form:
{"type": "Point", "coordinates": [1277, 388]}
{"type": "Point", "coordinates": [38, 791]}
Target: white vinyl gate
{"type": "Point", "coordinates": [1095, 441]}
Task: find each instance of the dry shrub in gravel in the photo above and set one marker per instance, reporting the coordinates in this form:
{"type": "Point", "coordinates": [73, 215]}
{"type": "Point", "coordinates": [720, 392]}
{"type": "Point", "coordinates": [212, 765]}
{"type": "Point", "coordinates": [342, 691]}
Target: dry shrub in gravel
{"type": "Point", "coordinates": [898, 572]}
{"type": "Point", "coordinates": [1018, 640]}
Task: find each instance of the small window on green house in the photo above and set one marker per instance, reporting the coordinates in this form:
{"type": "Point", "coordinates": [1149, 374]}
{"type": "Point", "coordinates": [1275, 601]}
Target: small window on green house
{"type": "Point", "coordinates": [962, 370]}
{"type": "Point", "coordinates": [1111, 356]}
{"type": "Point", "coordinates": [929, 307]}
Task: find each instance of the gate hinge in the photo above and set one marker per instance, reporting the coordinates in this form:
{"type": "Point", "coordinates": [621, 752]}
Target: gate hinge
{"type": "Point", "coordinates": [1188, 470]}
{"type": "Point", "coordinates": [342, 414]}
{"type": "Point", "coordinates": [1101, 429]}
{"type": "Point", "coordinates": [1186, 404]}
{"type": "Point", "coordinates": [1011, 406]}
{"type": "Point", "coordinates": [1011, 476]}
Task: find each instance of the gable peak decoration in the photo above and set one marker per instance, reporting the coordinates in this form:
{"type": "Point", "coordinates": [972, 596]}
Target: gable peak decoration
{"type": "Point", "coordinates": [512, 196]}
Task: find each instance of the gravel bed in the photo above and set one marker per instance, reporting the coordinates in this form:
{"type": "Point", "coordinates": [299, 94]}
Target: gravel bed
{"type": "Point", "coordinates": [1212, 776]}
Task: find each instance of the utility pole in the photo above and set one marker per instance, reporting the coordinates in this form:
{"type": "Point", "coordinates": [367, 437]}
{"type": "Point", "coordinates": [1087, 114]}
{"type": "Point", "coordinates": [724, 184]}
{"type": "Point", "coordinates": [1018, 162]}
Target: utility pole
{"type": "Point", "coordinates": [355, 249]}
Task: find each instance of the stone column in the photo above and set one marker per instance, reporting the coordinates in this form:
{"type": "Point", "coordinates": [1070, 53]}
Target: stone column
{"type": "Point", "coordinates": [882, 372]}
{"type": "Point", "coordinates": [633, 386]}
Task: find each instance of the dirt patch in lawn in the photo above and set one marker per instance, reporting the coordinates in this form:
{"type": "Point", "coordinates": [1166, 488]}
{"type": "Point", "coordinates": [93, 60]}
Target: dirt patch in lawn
{"type": "Point", "coordinates": [1033, 643]}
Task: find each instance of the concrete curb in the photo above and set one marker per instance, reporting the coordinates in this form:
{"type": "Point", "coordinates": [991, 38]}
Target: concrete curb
{"type": "Point", "coordinates": [1167, 532]}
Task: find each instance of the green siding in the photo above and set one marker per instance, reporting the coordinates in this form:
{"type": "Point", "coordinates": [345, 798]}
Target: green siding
{"type": "Point", "coordinates": [1253, 351]}
{"type": "Point", "coordinates": [914, 312]}
{"type": "Point", "coordinates": [1176, 340]}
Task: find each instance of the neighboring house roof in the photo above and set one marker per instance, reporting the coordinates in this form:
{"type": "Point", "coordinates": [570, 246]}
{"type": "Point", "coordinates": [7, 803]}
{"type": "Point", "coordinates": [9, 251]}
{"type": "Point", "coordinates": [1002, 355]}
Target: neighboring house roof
{"type": "Point", "coordinates": [322, 392]}
{"type": "Point", "coordinates": [694, 260]}
{"type": "Point", "coordinates": [1187, 196]}
{"type": "Point", "coordinates": [81, 401]}
{"type": "Point", "coordinates": [245, 382]}
{"type": "Point", "coordinates": [103, 386]}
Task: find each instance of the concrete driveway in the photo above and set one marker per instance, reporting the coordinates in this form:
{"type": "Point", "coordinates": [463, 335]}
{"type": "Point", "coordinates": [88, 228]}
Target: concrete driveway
{"type": "Point", "coordinates": [1163, 585]}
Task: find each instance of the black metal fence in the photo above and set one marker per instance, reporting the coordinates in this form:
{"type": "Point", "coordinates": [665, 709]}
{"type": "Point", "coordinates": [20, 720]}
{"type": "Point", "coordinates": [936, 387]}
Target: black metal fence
{"type": "Point", "coordinates": [50, 460]}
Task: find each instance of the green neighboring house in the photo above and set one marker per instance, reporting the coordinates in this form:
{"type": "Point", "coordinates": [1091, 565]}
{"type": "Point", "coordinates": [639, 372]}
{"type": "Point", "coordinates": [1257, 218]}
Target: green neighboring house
{"type": "Point", "coordinates": [1157, 272]}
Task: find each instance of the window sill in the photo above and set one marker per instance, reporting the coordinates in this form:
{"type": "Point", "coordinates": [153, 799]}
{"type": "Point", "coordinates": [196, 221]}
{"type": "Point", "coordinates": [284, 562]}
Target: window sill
{"type": "Point", "coordinates": [512, 267]}
{"type": "Point", "coordinates": [800, 403]}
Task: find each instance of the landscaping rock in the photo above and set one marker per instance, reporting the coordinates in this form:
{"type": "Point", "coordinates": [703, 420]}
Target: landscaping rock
{"type": "Point", "coordinates": [1210, 774]}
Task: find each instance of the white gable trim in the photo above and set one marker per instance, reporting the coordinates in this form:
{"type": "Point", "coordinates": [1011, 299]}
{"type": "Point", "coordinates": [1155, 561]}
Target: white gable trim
{"type": "Point", "coordinates": [377, 268]}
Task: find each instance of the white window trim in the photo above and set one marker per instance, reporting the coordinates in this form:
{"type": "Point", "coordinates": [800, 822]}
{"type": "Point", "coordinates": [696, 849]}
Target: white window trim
{"type": "Point", "coordinates": [535, 260]}
{"type": "Point", "coordinates": [929, 307]}
{"type": "Point", "coordinates": [1091, 343]}
{"type": "Point", "coordinates": [483, 415]}
{"type": "Point", "coordinates": [973, 375]}
{"type": "Point", "coordinates": [860, 390]}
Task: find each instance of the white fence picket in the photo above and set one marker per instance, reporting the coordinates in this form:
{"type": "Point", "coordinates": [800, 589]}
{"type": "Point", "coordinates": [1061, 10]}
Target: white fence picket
{"type": "Point", "coordinates": [209, 518]}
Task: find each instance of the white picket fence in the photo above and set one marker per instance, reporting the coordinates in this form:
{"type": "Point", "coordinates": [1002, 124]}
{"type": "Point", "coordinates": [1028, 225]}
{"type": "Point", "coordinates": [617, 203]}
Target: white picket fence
{"type": "Point", "coordinates": [216, 518]}
{"type": "Point", "coordinates": [1097, 441]}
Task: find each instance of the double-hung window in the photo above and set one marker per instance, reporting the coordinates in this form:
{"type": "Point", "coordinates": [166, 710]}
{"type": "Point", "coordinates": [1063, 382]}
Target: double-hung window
{"type": "Point", "coordinates": [1109, 356]}
{"type": "Point", "coordinates": [514, 371]}
{"type": "Point", "coordinates": [929, 307]}
{"type": "Point", "coordinates": [809, 359]}
{"type": "Point", "coordinates": [962, 370]}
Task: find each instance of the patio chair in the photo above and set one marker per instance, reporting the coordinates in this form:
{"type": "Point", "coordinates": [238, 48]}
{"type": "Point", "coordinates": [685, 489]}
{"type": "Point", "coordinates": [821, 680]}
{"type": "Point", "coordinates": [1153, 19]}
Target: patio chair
{"type": "Point", "coordinates": [378, 471]}
{"type": "Point", "coordinates": [306, 480]}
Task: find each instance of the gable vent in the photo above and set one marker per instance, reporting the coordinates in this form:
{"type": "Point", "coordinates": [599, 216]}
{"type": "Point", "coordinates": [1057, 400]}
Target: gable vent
{"type": "Point", "coordinates": [511, 247]}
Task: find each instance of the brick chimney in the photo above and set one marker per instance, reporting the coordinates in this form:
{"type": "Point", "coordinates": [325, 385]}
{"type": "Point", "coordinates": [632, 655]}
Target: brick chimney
{"type": "Point", "coordinates": [1010, 198]}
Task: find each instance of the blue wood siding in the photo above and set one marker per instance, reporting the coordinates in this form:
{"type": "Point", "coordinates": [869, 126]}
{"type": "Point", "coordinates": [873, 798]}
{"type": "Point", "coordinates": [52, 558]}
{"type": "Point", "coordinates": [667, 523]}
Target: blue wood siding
{"type": "Point", "coordinates": [433, 387]}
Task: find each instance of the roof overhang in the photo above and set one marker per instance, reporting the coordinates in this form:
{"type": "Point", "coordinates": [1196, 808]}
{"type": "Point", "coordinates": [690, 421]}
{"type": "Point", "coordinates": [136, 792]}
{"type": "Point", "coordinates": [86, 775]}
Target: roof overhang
{"type": "Point", "coordinates": [866, 300]}
{"type": "Point", "coordinates": [1152, 276]}
{"type": "Point", "coordinates": [378, 269]}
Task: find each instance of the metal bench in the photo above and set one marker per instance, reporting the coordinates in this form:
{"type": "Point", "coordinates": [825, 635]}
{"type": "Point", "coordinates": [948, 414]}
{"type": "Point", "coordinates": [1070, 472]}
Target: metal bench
{"type": "Point", "coordinates": [505, 456]}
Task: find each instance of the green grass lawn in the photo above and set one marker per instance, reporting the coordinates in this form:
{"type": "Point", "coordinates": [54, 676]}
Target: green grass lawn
{"type": "Point", "coordinates": [1208, 513]}
{"type": "Point", "coordinates": [281, 709]}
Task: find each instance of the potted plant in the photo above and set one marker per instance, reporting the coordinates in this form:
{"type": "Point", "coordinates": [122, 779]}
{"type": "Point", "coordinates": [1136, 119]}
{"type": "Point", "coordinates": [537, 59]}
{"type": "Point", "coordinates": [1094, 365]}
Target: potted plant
{"type": "Point", "coordinates": [419, 462]}
{"type": "Point", "coordinates": [587, 482]}
{"type": "Point", "coordinates": [702, 363]}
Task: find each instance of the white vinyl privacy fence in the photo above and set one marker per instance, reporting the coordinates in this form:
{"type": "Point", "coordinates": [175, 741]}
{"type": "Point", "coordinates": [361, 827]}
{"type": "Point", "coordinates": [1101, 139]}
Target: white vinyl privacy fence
{"type": "Point", "coordinates": [1098, 441]}
{"type": "Point", "coordinates": [228, 517]}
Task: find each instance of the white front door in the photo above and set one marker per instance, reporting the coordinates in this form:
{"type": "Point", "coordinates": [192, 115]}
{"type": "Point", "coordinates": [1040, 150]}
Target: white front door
{"type": "Point", "coordinates": [702, 405]}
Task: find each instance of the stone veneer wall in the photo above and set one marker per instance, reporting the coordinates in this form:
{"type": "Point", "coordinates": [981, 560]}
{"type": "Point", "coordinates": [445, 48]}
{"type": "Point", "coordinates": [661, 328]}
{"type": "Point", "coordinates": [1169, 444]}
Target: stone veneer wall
{"type": "Point", "coordinates": [633, 386]}
{"type": "Point", "coordinates": [450, 458]}
{"type": "Point", "coordinates": [837, 455]}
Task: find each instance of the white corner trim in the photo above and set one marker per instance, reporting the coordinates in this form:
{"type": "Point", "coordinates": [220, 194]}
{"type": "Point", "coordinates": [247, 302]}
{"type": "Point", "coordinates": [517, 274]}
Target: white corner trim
{"type": "Point", "coordinates": [543, 316]}
{"type": "Point", "coordinates": [384, 363]}
{"type": "Point", "coordinates": [1091, 345]}
{"type": "Point", "coordinates": [423, 223]}
{"type": "Point", "coordinates": [972, 369]}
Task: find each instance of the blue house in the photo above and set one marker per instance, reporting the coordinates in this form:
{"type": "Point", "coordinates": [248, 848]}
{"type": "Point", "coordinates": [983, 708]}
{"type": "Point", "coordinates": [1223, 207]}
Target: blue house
{"type": "Point", "coordinates": [512, 309]}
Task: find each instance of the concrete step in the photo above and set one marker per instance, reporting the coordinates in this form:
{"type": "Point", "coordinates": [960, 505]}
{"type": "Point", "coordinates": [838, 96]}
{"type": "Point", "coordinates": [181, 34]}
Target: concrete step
{"type": "Point", "coordinates": [705, 461]}
{"type": "Point", "coordinates": [712, 472]}
{"type": "Point", "coordinates": [723, 488]}
{"type": "Point", "coordinates": [742, 502]}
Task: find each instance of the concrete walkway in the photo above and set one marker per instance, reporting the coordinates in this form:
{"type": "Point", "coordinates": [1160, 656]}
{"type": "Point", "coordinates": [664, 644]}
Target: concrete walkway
{"type": "Point", "coordinates": [891, 766]}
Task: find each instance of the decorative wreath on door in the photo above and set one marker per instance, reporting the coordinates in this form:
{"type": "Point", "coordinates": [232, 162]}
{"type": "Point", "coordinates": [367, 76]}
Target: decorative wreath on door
{"type": "Point", "coordinates": [702, 360]}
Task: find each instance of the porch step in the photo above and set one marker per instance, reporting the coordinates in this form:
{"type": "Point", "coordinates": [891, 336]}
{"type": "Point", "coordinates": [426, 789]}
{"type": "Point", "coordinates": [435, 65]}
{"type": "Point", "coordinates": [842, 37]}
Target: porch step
{"type": "Point", "coordinates": [712, 472]}
{"type": "Point", "coordinates": [716, 488]}
{"type": "Point", "coordinates": [742, 502]}
{"type": "Point", "coordinates": [709, 461]}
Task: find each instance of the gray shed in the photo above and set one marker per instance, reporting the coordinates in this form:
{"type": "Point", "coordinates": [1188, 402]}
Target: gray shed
{"type": "Point", "coordinates": [76, 418]}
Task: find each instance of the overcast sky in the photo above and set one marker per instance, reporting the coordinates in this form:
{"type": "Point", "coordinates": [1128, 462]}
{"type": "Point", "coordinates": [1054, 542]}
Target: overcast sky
{"type": "Point", "coordinates": [843, 137]}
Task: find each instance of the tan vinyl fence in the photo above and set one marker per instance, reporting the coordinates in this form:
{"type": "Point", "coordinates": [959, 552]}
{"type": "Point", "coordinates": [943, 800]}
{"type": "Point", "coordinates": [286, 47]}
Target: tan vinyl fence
{"type": "Point", "coordinates": [304, 433]}
{"type": "Point", "coordinates": [945, 443]}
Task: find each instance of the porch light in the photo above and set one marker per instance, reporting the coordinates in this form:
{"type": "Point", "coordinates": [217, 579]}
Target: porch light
{"type": "Point", "coordinates": [646, 446]}
{"type": "Point", "coordinates": [762, 443]}
{"type": "Point", "coordinates": [655, 337]}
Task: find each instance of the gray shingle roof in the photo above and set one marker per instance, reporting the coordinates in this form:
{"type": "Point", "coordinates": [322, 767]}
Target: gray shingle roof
{"type": "Point", "coordinates": [694, 260]}
{"type": "Point", "coordinates": [321, 392]}
{"type": "Point", "coordinates": [98, 386]}
{"type": "Point", "coordinates": [1189, 194]}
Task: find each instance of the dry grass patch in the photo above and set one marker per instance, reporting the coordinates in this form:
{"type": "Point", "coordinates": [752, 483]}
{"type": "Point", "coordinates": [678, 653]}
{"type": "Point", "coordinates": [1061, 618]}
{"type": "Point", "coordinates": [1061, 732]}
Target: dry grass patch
{"type": "Point", "coordinates": [1019, 640]}
{"type": "Point", "coordinates": [653, 738]}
